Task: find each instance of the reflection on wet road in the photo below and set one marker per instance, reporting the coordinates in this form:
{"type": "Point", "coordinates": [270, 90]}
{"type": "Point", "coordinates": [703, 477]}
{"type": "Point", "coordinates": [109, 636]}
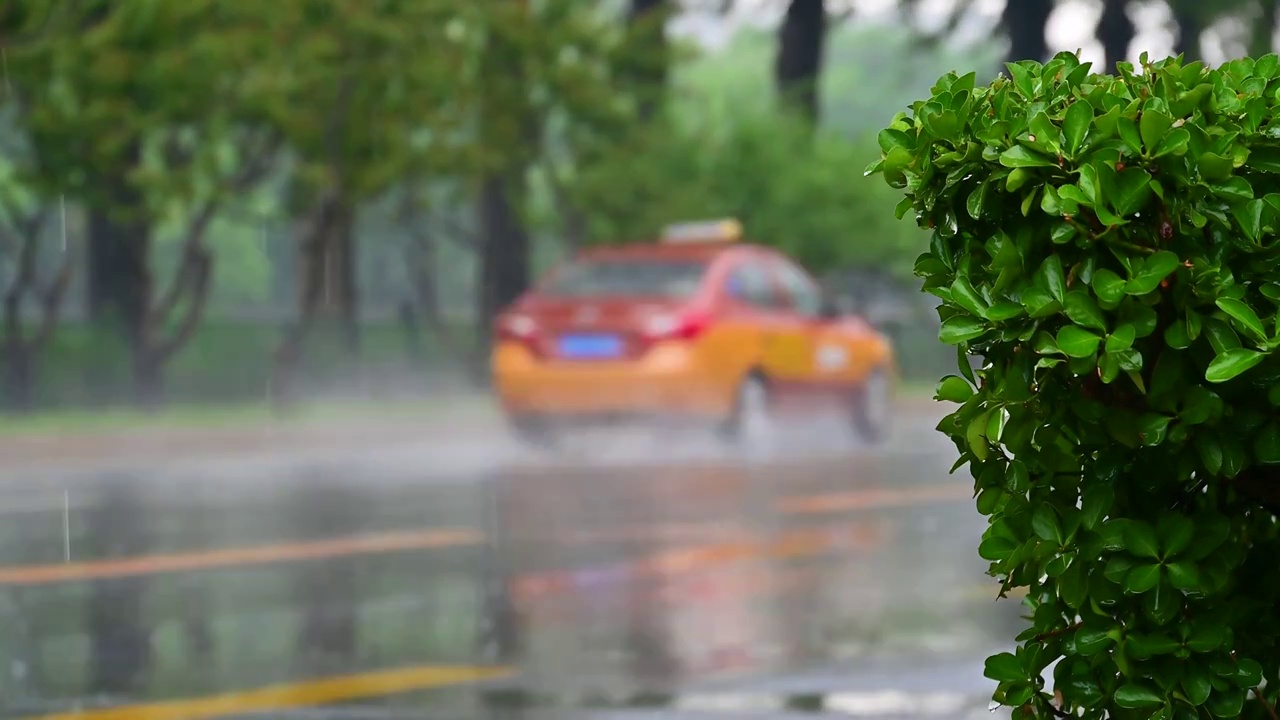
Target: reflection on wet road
{"type": "Point", "coordinates": [530, 590]}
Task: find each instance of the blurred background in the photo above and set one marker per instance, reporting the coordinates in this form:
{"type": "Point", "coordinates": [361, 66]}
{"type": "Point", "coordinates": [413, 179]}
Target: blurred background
{"type": "Point", "coordinates": [249, 259]}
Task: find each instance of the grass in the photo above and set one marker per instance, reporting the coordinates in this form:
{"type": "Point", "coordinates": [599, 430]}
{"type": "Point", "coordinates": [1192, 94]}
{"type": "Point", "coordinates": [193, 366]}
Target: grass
{"type": "Point", "coordinates": [260, 414]}
{"type": "Point", "coordinates": [240, 415]}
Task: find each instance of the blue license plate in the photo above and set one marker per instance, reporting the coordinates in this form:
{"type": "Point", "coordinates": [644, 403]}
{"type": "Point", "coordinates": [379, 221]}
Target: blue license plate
{"type": "Point", "coordinates": [590, 347]}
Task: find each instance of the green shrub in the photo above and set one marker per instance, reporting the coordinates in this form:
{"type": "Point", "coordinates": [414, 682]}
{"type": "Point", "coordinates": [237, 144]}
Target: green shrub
{"type": "Point", "coordinates": [1108, 245]}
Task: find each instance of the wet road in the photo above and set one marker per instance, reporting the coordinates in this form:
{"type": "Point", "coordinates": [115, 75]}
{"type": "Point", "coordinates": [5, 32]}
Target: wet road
{"type": "Point", "coordinates": [644, 580]}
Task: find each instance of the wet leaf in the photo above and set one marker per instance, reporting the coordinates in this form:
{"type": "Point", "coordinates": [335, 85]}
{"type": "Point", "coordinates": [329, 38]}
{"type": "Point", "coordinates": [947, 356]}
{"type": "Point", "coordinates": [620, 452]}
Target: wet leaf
{"type": "Point", "coordinates": [953, 389]}
{"type": "Point", "coordinates": [1020, 156]}
{"type": "Point", "coordinates": [1141, 540]}
{"type": "Point", "coordinates": [1004, 667]}
{"type": "Point", "coordinates": [1077, 343]}
{"type": "Point", "coordinates": [1231, 364]}
{"type": "Point", "coordinates": [1142, 579]}
{"type": "Point", "coordinates": [1083, 310]}
{"type": "Point", "coordinates": [960, 329]}
{"type": "Point", "coordinates": [1135, 696]}
{"type": "Point", "coordinates": [1153, 270]}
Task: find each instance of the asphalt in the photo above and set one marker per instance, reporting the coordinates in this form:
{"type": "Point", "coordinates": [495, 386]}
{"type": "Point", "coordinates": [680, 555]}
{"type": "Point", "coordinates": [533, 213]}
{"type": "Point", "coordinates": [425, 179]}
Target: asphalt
{"type": "Point", "coordinates": [629, 575]}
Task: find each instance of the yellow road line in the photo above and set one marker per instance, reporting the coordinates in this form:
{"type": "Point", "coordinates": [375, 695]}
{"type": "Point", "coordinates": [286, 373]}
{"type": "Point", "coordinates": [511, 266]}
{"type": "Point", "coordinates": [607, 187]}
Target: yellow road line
{"type": "Point", "coordinates": [874, 498]}
{"type": "Point", "coordinates": [303, 694]}
{"type": "Point", "coordinates": [239, 557]}
{"type": "Point", "coordinates": [824, 503]}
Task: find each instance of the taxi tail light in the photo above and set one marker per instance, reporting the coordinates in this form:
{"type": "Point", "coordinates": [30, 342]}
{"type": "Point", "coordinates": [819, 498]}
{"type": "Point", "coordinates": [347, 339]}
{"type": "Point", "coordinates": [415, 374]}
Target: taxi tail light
{"type": "Point", "coordinates": [687, 325]}
{"type": "Point", "coordinates": [519, 329]}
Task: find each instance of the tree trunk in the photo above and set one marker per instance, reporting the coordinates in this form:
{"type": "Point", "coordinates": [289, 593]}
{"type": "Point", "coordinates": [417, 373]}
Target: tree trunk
{"type": "Point", "coordinates": [1116, 32]}
{"type": "Point", "coordinates": [1189, 32]}
{"type": "Point", "coordinates": [312, 237]}
{"type": "Point", "coordinates": [504, 254]}
{"type": "Point", "coordinates": [119, 293]}
{"type": "Point", "coordinates": [798, 68]}
{"type": "Point", "coordinates": [19, 377]}
{"type": "Point", "coordinates": [1024, 21]}
{"type": "Point", "coordinates": [340, 301]}
{"type": "Point", "coordinates": [119, 241]}
{"type": "Point", "coordinates": [148, 378]}
{"type": "Point", "coordinates": [1262, 38]}
{"type": "Point", "coordinates": [647, 19]}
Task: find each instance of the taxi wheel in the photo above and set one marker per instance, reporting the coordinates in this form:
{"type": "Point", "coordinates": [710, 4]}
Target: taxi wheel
{"type": "Point", "coordinates": [751, 423]}
{"type": "Point", "coordinates": [533, 431]}
{"type": "Point", "coordinates": [873, 407]}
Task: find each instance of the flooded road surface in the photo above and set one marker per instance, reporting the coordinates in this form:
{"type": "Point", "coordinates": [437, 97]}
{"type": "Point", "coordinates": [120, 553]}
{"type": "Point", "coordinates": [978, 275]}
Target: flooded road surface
{"type": "Point", "coordinates": [518, 587]}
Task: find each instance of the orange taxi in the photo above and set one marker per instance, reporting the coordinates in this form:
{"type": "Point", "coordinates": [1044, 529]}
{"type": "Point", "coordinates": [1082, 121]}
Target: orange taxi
{"type": "Point", "coordinates": [698, 325]}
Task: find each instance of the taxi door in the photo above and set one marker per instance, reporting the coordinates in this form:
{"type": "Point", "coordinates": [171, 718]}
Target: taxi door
{"type": "Point", "coordinates": [753, 314]}
{"type": "Point", "coordinates": [820, 363]}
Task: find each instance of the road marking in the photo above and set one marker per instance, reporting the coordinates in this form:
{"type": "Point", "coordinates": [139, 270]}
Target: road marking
{"type": "Point", "coordinates": [690, 556]}
{"type": "Point", "coordinates": [808, 542]}
{"type": "Point", "coordinates": [239, 557]}
{"type": "Point", "coordinates": [874, 498]}
{"type": "Point", "coordinates": [283, 697]}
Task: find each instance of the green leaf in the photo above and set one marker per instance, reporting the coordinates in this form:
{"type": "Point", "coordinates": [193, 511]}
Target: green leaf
{"type": "Point", "coordinates": [1021, 156]}
{"type": "Point", "coordinates": [1142, 541]}
{"type": "Point", "coordinates": [1003, 668]}
{"type": "Point", "coordinates": [1244, 315]}
{"type": "Point", "coordinates": [1175, 533]}
{"type": "Point", "coordinates": [1196, 684]}
{"type": "Point", "coordinates": [1249, 217]}
{"type": "Point", "coordinates": [1153, 428]}
{"type": "Point", "coordinates": [1226, 704]}
{"type": "Point", "coordinates": [1083, 310]}
{"type": "Point", "coordinates": [1053, 278]}
{"type": "Point", "coordinates": [996, 548]}
{"type": "Point", "coordinates": [1151, 272]}
{"type": "Point", "coordinates": [1039, 303]}
{"type": "Point", "coordinates": [1135, 696]}
{"type": "Point", "coordinates": [1075, 126]}
{"type": "Point", "coordinates": [1121, 339]}
{"type": "Point", "coordinates": [1045, 524]}
{"type": "Point", "coordinates": [1248, 673]}
{"type": "Point", "coordinates": [1206, 637]}
{"type": "Point", "coordinates": [963, 294]}
{"type": "Point", "coordinates": [1232, 363]}
{"type": "Point", "coordinates": [1077, 343]}
{"type": "Point", "coordinates": [1184, 576]}
{"type": "Point", "coordinates": [1130, 190]}
{"type": "Point", "coordinates": [1175, 143]}
{"type": "Point", "coordinates": [977, 201]}
{"type": "Point", "coordinates": [1147, 646]}
{"type": "Point", "coordinates": [1142, 578]}
{"type": "Point", "coordinates": [1108, 286]}
{"type": "Point", "coordinates": [953, 389]}
{"type": "Point", "coordinates": [1154, 127]}
{"type": "Point", "coordinates": [1266, 446]}
{"type": "Point", "coordinates": [1071, 585]}
{"type": "Point", "coordinates": [961, 328]}
{"type": "Point", "coordinates": [1129, 134]}
{"type": "Point", "coordinates": [1161, 603]}
{"type": "Point", "coordinates": [1095, 503]}
{"type": "Point", "coordinates": [1004, 310]}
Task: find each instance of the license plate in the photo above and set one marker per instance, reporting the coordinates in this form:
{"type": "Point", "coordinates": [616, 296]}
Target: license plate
{"type": "Point", "coordinates": [584, 347]}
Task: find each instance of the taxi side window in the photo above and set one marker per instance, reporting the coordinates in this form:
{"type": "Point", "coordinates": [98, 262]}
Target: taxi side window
{"type": "Point", "coordinates": [750, 284]}
{"type": "Point", "coordinates": [803, 293]}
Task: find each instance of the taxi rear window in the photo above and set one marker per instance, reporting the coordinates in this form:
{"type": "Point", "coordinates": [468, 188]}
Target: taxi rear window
{"type": "Point", "coordinates": [642, 278]}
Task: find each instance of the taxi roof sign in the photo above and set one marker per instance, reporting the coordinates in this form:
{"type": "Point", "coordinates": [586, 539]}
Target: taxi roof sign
{"type": "Point", "coordinates": [727, 230]}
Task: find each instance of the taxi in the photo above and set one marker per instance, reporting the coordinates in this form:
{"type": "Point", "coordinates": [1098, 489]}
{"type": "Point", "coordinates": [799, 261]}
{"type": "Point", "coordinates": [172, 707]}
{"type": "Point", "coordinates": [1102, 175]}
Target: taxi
{"type": "Point", "coordinates": [699, 325]}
